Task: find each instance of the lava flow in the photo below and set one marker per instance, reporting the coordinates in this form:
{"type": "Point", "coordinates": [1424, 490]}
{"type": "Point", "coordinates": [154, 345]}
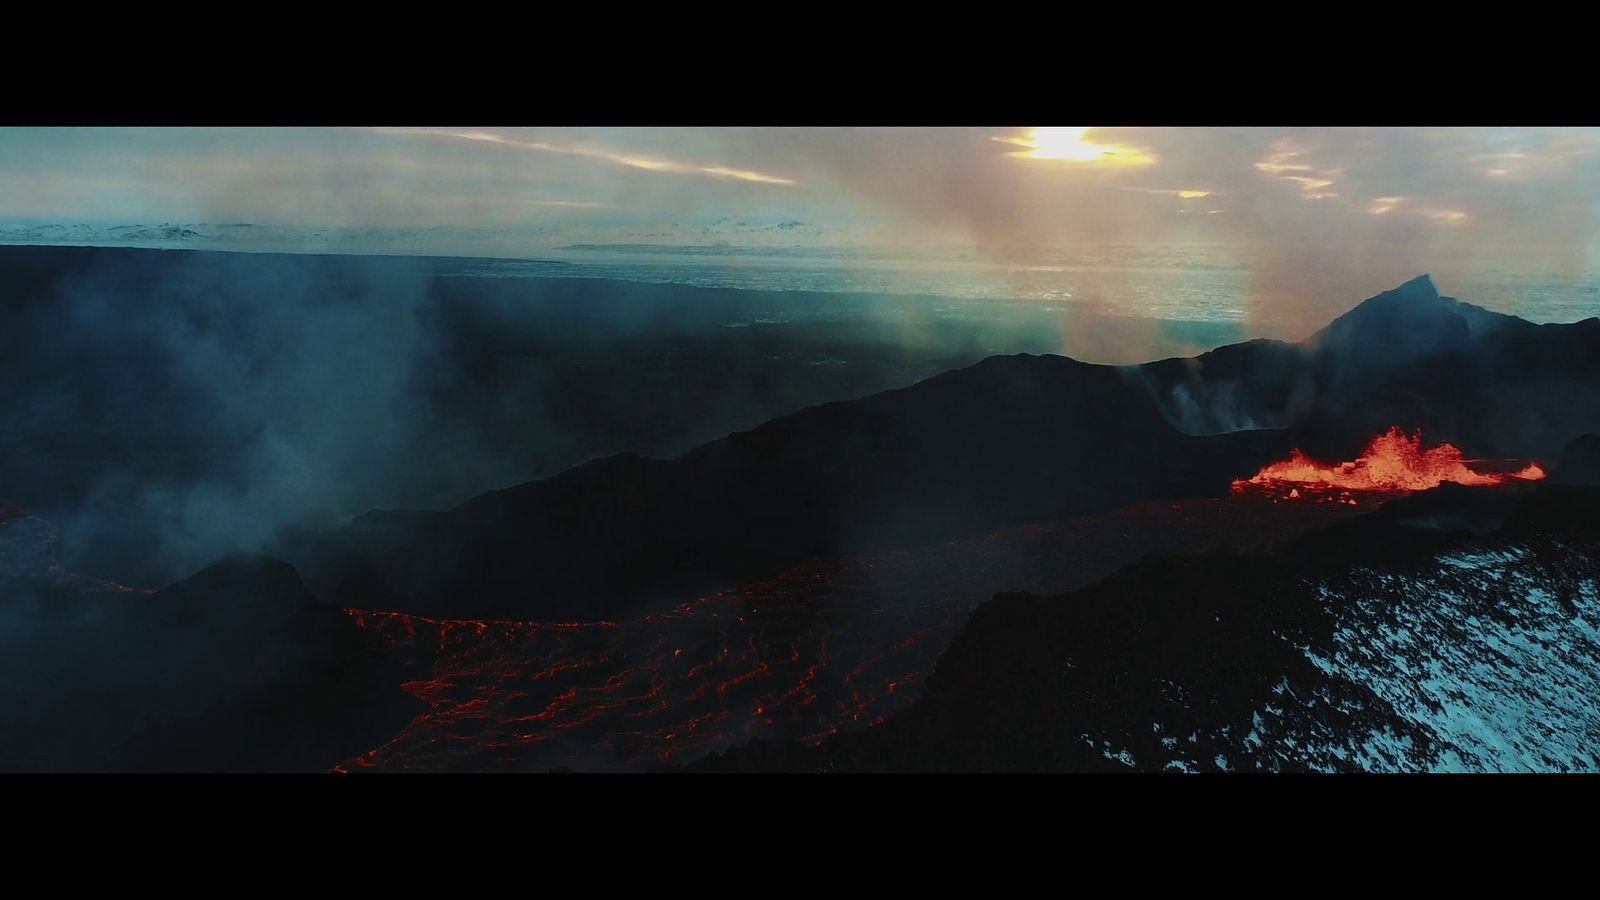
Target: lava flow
{"type": "Point", "coordinates": [831, 645]}
{"type": "Point", "coordinates": [1393, 462]}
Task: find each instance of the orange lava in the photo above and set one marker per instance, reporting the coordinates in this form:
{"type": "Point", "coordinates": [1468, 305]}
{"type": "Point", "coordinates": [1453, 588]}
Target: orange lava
{"type": "Point", "coordinates": [832, 645]}
{"type": "Point", "coordinates": [1393, 462]}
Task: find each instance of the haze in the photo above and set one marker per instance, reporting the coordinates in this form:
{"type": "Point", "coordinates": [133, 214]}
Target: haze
{"type": "Point", "coordinates": [1313, 217]}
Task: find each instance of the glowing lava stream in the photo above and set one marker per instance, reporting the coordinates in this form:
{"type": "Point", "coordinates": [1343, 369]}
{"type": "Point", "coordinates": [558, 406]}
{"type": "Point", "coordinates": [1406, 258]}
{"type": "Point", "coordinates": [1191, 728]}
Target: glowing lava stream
{"type": "Point", "coordinates": [1393, 462]}
{"type": "Point", "coordinates": [831, 645]}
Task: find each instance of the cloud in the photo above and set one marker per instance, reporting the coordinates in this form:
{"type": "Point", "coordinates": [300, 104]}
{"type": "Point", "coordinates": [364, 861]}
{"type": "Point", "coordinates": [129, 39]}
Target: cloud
{"type": "Point", "coordinates": [1406, 206]}
{"type": "Point", "coordinates": [1405, 198]}
{"type": "Point", "coordinates": [1180, 193]}
{"type": "Point", "coordinates": [1289, 160]}
{"type": "Point", "coordinates": [622, 158]}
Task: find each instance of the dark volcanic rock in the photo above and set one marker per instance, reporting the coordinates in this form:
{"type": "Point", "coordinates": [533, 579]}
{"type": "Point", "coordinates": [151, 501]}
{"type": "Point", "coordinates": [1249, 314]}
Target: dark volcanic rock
{"type": "Point", "coordinates": [1579, 462]}
{"type": "Point", "coordinates": [1009, 440]}
{"type": "Point", "coordinates": [1559, 509]}
{"type": "Point", "coordinates": [1494, 385]}
{"type": "Point", "coordinates": [833, 644]}
{"type": "Point", "coordinates": [237, 668]}
{"type": "Point", "coordinates": [1478, 656]}
{"type": "Point", "coordinates": [1168, 661]}
{"type": "Point", "coordinates": [1410, 526]}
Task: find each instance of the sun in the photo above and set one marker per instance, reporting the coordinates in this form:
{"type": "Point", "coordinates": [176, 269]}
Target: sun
{"type": "Point", "coordinates": [1070, 144]}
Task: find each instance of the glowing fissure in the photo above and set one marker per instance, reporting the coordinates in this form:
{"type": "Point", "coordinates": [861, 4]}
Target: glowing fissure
{"type": "Point", "coordinates": [1393, 462]}
{"type": "Point", "coordinates": [661, 688]}
{"type": "Point", "coordinates": [830, 646]}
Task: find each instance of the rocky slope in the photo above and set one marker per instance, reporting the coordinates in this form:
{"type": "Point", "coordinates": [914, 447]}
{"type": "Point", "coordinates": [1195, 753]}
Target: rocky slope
{"type": "Point", "coordinates": [1476, 655]}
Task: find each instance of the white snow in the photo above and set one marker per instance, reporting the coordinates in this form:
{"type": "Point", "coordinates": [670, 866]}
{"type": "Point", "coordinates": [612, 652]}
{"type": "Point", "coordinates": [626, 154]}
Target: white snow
{"type": "Point", "coordinates": [1493, 653]}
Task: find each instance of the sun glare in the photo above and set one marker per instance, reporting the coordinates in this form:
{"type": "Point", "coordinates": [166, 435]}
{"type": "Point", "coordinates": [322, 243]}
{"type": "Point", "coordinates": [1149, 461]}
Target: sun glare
{"type": "Point", "coordinates": [1071, 145]}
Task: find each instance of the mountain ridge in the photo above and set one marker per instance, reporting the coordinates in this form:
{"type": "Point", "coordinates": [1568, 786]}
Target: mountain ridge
{"type": "Point", "coordinates": [1006, 440]}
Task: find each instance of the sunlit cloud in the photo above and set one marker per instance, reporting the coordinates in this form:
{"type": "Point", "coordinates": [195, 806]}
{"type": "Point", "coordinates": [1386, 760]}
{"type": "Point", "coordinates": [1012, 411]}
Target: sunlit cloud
{"type": "Point", "coordinates": [1182, 194]}
{"type": "Point", "coordinates": [1073, 145]}
{"type": "Point", "coordinates": [1407, 206]}
{"type": "Point", "coordinates": [1501, 165]}
{"type": "Point", "coordinates": [636, 161]}
{"type": "Point", "coordinates": [1540, 162]}
{"type": "Point", "coordinates": [1387, 194]}
{"type": "Point", "coordinates": [1311, 185]}
{"type": "Point", "coordinates": [1284, 156]}
{"type": "Point", "coordinates": [1288, 160]}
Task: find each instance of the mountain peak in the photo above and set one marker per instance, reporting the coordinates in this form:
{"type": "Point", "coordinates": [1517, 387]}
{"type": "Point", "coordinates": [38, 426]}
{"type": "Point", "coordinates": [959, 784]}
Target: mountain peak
{"type": "Point", "coordinates": [1420, 286]}
{"type": "Point", "coordinates": [240, 583]}
{"type": "Point", "coordinates": [1405, 324]}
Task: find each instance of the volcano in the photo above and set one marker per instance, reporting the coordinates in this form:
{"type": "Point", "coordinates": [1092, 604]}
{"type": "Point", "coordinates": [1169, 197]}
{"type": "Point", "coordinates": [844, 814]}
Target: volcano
{"type": "Point", "coordinates": [1010, 440]}
{"type": "Point", "coordinates": [820, 592]}
{"type": "Point", "coordinates": [831, 646]}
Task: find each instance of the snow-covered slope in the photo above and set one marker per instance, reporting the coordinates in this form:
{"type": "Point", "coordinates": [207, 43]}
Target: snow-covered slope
{"type": "Point", "coordinates": [1469, 654]}
{"type": "Point", "coordinates": [1491, 651]}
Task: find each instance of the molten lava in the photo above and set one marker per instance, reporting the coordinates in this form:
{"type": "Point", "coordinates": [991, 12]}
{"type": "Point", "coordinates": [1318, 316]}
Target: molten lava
{"type": "Point", "coordinates": [1393, 462]}
{"type": "Point", "coordinates": [832, 645]}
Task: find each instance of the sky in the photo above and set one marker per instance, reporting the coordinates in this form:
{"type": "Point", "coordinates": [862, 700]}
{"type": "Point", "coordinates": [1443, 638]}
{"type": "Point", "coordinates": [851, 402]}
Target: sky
{"type": "Point", "coordinates": [1409, 198]}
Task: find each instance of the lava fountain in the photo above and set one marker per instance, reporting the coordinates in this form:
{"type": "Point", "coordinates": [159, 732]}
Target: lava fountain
{"type": "Point", "coordinates": [1393, 462]}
